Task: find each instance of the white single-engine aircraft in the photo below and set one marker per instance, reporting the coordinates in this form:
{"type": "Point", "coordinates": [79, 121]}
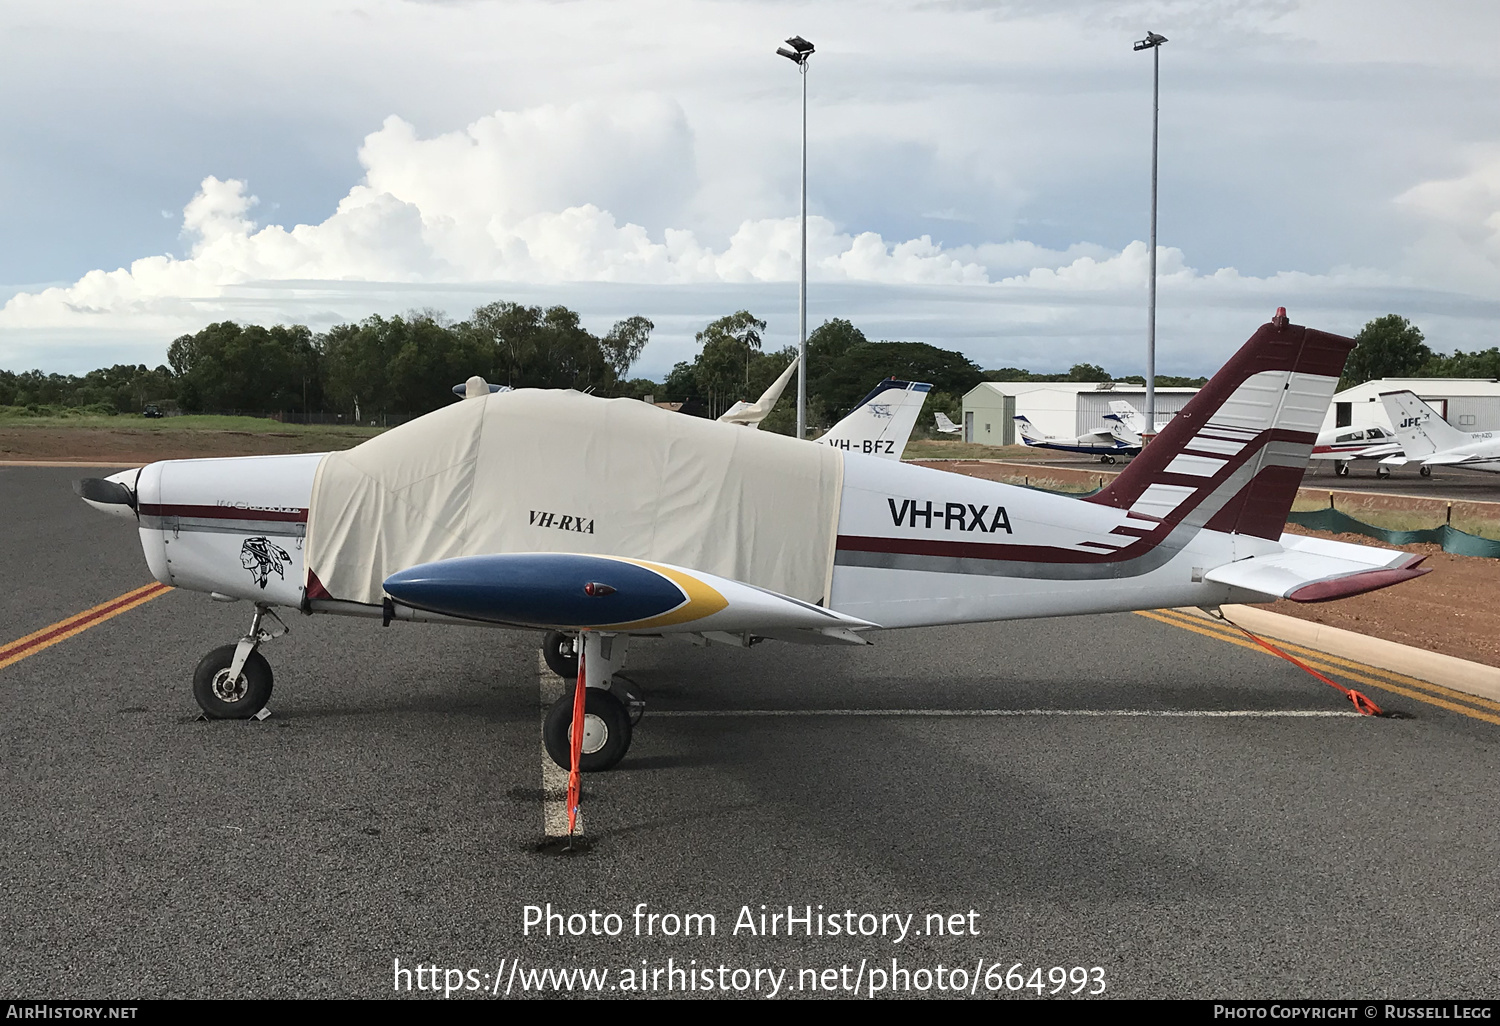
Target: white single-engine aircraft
{"type": "Point", "coordinates": [1103, 442]}
{"type": "Point", "coordinates": [1427, 437]}
{"type": "Point", "coordinates": [608, 519]}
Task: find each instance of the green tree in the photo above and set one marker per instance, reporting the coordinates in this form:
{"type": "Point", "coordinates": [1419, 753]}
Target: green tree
{"type": "Point", "coordinates": [723, 367]}
{"type": "Point", "coordinates": [1387, 347]}
{"type": "Point", "coordinates": [251, 368]}
{"type": "Point", "coordinates": [1087, 372]}
{"type": "Point", "coordinates": [625, 342]}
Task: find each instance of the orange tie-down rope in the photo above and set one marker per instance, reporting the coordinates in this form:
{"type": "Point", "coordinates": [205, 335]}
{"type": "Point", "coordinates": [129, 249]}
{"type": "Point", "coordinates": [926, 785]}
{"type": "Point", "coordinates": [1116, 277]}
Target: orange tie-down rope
{"type": "Point", "coordinates": [1361, 702]}
{"type": "Point", "coordinates": [576, 746]}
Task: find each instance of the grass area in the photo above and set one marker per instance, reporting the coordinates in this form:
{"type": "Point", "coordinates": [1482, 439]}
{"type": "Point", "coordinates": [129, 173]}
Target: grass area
{"type": "Point", "coordinates": [18, 417]}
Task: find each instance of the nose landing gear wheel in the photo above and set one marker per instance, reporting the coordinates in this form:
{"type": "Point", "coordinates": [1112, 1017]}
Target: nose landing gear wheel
{"type": "Point", "coordinates": [223, 699]}
{"type": "Point", "coordinates": [561, 652]}
{"type": "Point", "coordinates": [606, 731]}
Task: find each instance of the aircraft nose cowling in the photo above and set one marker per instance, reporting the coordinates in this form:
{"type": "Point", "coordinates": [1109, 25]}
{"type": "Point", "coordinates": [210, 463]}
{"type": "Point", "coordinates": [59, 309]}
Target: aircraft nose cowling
{"type": "Point", "coordinates": [542, 589]}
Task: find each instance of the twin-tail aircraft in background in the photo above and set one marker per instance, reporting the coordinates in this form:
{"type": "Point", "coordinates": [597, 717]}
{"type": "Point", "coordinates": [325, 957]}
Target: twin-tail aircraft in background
{"type": "Point", "coordinates": [609, 521]}
{"type": "Point", "coordinates": [1427, 438]}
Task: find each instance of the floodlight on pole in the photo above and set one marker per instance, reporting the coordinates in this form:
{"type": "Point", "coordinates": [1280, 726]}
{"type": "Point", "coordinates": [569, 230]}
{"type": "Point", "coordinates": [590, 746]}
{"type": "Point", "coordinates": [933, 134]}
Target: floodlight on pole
{"type": "Point", "coordinates": [800, 51]}
{"type": "Point", "coordinates": [1153, 43]}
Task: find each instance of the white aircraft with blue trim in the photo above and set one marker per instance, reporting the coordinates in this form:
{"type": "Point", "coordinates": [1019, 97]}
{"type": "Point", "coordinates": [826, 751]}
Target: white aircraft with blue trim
{"type": "Point", "coordinates": [603, 522]}
{"type": "Point", "coordinates": [1103, 442]}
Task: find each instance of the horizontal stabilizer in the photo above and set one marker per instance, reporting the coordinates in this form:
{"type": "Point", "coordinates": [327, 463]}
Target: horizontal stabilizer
{"type": "Point", "coordinates": [1317, 570]}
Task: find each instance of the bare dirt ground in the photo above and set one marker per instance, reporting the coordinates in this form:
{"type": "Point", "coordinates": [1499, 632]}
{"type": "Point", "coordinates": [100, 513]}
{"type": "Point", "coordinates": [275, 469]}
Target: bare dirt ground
{"type": "Point", "coordinates": [1454, 610]}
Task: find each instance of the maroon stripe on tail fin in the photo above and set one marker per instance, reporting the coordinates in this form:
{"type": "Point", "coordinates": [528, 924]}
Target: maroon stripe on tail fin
{"type": "Point", "coordinates": [1238, 437]}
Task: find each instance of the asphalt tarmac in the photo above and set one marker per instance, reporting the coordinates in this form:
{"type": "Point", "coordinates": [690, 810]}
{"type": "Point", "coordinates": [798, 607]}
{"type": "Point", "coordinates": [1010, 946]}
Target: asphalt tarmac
{"type": "Point", "coordinates": [391, 808]}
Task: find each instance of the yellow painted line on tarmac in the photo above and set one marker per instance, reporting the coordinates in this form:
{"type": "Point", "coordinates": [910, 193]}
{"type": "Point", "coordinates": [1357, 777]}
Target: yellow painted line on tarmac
{"type": "Point", "coordinates": [62, 630]}
{"type": "Point", "coordinates": [1487, 704]}
{"type": "Point", "coordinates": [1369, 675]}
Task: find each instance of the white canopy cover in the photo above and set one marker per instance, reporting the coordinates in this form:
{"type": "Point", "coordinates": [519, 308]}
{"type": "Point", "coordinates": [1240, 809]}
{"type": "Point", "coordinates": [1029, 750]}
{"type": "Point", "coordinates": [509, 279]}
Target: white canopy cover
{"type": "Point", "coordinates": [545, 470]}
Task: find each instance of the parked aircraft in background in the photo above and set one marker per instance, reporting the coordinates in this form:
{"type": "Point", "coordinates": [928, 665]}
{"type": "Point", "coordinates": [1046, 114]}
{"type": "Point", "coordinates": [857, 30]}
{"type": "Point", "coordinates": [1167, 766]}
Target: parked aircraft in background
{"type": "Point", "coordinates": [751, 414]}
{"type": "Point", "coordinates": [1129, 422]}
{"type": "Point", "coordinates": [945, 425]}
{"type": "Point", "coordinates": [603, 520]}
{"type": "Point", "coordinates": [1426, 437]}
{"type": "Point", "coordinates": [1357, 443]}
{"type": "Point", "coordinates": [1103, 442]}
{"type": "Point", "coordinates": [882, 423]}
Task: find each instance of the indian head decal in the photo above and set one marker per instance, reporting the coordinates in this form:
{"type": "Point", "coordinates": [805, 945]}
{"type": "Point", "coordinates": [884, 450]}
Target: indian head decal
{"type": "Point", "coordinates": [262, 557]}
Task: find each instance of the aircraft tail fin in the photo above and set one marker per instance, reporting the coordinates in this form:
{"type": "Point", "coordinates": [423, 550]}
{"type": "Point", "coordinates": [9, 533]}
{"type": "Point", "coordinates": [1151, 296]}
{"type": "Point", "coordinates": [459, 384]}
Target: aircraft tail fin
{"type": "Point", "coordinates": [1127, 415]}
{"type": "Point", "coordinates": [945, 425]}
{"type": "Point", "coordinates": [882, 423]}
{"type": "Point", "coordinates": [1027, 430]}
{"type": "Point", "coordinates": [1421, 430]}
{"type": "Point", "coordinates": [1232, 460]}
{"type": "Point", "coordinates": [751, 414]}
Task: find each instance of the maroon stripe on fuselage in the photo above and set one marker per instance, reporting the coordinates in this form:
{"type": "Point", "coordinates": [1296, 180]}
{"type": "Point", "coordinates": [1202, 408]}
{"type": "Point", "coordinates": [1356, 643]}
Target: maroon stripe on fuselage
{"type": "Point", "coordinates": [282, 516]}
{"type": "Point", "coordinates": [984, 550]}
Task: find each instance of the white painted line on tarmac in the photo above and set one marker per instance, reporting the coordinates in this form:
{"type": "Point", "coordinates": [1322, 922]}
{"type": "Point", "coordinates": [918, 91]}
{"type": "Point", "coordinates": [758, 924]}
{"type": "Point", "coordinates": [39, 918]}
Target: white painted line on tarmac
{"type": "Point", "coordinates": [554, 777]}
{"type": "Point", "coordinates": [1252, 714]}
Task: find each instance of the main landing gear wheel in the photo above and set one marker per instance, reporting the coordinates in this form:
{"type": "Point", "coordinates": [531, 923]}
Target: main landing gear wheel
{"type": "Point", "coordinates": [1425, 471]}
{"type": "Point", "coordinates": [1106, 459]}
{"type": "Point", "coordinates": [1382, 472]}
{"type": "Point", "coordinates": [223, 699]}
{"type": "Point", "coordinates": [606, 731]}
{"type": "Point", "coordinates": [561, 652]}
{"type": "Point", "coordinates": [1342, 469]}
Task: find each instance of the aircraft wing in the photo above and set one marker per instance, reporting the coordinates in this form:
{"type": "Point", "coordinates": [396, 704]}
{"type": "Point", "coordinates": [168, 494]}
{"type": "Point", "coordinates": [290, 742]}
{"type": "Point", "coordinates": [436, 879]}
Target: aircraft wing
{"type": "Point", "coordinates": [572, 591]}
{"type": "Point", "coordinates": [1459, 459]}
{"type": "Point", "coordinates": [1317, 570]}
{"type": "Point", "coordinates": [1369, 452]}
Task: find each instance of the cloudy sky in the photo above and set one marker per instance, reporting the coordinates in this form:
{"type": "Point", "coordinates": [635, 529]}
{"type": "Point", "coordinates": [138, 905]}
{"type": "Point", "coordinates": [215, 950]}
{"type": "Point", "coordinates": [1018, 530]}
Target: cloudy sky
{"type": "Point", "coordinates": [978, 171]}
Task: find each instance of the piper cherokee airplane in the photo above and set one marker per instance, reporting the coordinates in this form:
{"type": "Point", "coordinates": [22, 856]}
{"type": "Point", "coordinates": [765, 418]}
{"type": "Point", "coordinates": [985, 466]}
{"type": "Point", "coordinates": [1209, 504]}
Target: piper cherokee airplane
{"type": "Point", "coordinates": [607, 520]}
{"type": "Point", "coordinates": [1426, 436]}
{"type": "Point", "coordinates": [1102, 442]}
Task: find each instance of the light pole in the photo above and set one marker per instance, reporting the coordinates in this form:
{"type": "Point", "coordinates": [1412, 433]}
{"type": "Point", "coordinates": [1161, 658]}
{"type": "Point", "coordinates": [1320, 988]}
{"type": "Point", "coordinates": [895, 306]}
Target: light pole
{"type": "Point", "coordinates": [1153, 43]}
{"type": "Point", "coordinates": [800, 51]}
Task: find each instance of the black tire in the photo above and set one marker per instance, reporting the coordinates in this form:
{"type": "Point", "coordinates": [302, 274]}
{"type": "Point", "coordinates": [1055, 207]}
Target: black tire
{"type": "Point", "coordinates": [1106, 459]}
{"type": "Point", "coordinates": [1425, 471]}
{"type": "Point", "coordinates": [1342, 469]}
{"type": "Point", "coordinates": [562, 658]}
{"type": "Point", "coordinates": [1382, 472]}
{"type": "Point", "coordinates": [602, 713]}
{"type": "Point", "coordinates": [217, 699]}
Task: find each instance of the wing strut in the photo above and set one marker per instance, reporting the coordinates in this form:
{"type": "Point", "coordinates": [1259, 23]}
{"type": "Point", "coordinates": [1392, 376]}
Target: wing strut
{"type": "Point", "coordinates": [1361, 702]}
{"type": "Point", "coordinates": [574, 780]}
